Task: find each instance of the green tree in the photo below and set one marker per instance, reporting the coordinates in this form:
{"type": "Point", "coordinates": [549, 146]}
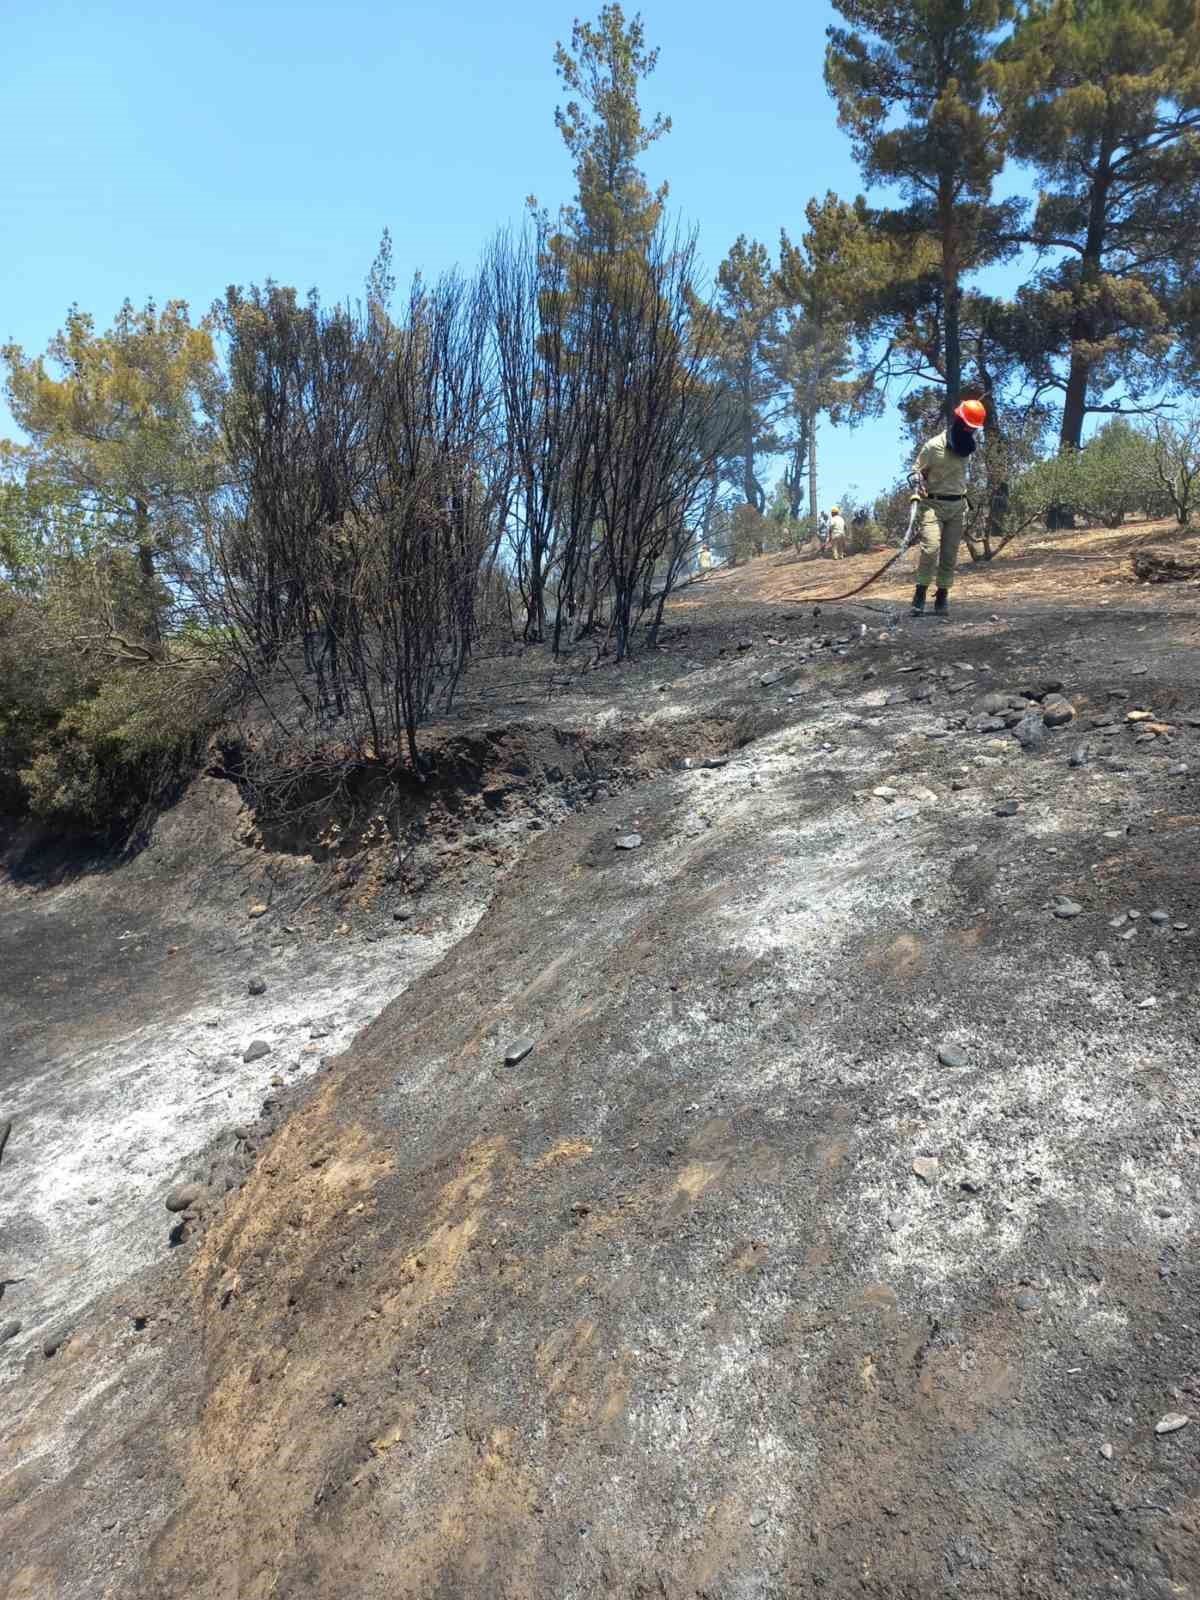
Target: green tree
{"type": "Point", "coordinates": [828, 281]}
{"type": "Point", "coordinates": [746, 312]}
{"type": "Point", "coordinates": [42, 521]}
{"type": "Point", "coordinates": [908, 79]}
{"type": "Point", "coordinates": [604, 131]}
{"type": "Point", "coordinates": [1102, 100]}
{"type": "Point", "coordinates": [121, 419]}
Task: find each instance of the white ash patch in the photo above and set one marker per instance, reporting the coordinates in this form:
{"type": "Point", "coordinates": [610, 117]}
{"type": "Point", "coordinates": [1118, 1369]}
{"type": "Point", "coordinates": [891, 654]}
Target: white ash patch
{"type": "Point", "coordinates": [102, 1135]}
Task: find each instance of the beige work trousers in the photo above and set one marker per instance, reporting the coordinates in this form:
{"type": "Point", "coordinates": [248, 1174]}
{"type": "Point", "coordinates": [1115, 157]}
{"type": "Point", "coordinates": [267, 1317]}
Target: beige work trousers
{"type": "Point", "coordinates": [939, 536]}
{"type": "Point", "coordinates": [838, 546]}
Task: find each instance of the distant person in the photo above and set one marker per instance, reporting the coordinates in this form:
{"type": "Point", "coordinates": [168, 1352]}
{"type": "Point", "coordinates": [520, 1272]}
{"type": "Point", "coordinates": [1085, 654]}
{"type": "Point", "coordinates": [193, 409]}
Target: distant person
{"type": "Point", "coordinates": [837, 533]}
{"type": "Point", "coordinates": [823, 532]}
{"type": "Point", "coordinates": [705, 559]}
{"type": "Point", "coordinates": [940, 477]}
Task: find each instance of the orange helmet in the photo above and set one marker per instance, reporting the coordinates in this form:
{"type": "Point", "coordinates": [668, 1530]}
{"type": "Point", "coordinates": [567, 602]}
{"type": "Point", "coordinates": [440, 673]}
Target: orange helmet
{"type": "Point", "coordinates": [973, 413]}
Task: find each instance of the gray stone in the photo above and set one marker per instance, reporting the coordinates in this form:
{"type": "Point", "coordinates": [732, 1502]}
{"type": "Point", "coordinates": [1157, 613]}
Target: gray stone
{"type": "Point", "coordinates": [1106, 1450]}
{"type": "Point", "coordinates": [927, 1169]}
{"type": "Point", "coordinates": [994, 703]}
{"type": "Point", "coordinates": [923, 691]}
{"type": "Point", "coordinates": [256, 986]}
{"type": "Point", "coordinates": [256, 1050]}
{"type": "Point", "coordinates": [951, 1056]}
{"type": "Point", "coordinates": [10, 1330]}
{"type": "Point", "coordinates": [628, 841]}
{"type": "Point", "coordinates": [1080, 757]}
{"type": "Point", "coordinates": [1119, 921]}
{"type": "Point", "coordinates": [758, 1517]}
{"type": "Point", "coordinates": [1160, 917]}
{"type": "Point", "coordinates": [1052, 686]}
{"type": "Point", "coordinates": [1179, 770]}
{"type": "Point", "coordinates": [1058, 713]}
{"type": "Point", "coordinates": [1008, 808]}
{"type": "Point", "coordinates": [958, 785]}
{"type": "Point", "coordinates": [988, 724]}
{"type": "Point", "coordinates": [53, 1342]}
{"type": "Point", "coordinates": [1172, 1422]}
{"type": "Point", "coordinates": [1026, 1300]}
{"type": "Point", "coordinates": [1066, 909]}
{"type": "Point", "coordinates": [185, 1195]}
{"type": "Point", "coordinates": [768, 679]}
{"type": "Point", "coordinates": [517, 1051]}
{"type": "Point", "coordinates": [1030, 733]}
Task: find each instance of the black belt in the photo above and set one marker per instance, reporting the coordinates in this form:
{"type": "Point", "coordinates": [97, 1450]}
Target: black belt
{"type": "Point", "coordinates": [947, 497]}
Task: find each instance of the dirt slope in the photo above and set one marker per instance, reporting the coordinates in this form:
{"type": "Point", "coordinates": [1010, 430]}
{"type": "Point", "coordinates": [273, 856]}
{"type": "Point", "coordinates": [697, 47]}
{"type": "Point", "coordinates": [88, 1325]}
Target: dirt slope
{"type": "Point", "coordinates": [665, 1308]}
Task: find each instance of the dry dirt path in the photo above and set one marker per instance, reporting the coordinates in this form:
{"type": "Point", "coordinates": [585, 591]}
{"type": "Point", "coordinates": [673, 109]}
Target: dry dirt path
{"type": "Point", "coordinates": [837, 1233]}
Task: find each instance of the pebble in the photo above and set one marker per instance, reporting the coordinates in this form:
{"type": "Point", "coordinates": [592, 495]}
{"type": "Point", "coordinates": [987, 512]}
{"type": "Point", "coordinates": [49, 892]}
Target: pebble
{"type": "Point", "coordinates": [1058, 713]}
{"type": "Point", "coordinates": [1172, 1422]}
{"type": "Point", "coordinates": [10, 1330]}
{"type": "Point", "coordinates": [517, 1051]}
{"type": "Point", "coordinates": [1119, 921]}
{"type": "Point", "coordinates": [958, 785]}
{"type": "Point", "coordinates": [758, 1517]}
{"type": "Point", "coordinates": [1008, 808]}
{"type": "Point", "coordinates": [256, 1049]}
{"type": "Point", "coordinates": [1106, 1450]}
{"type": "Point", "coordinates": [927, 1169]}
{"type": "Point", "coordinates": [883, 792]}
{"type": "Point", "coordinates": [258, 910]}
{"type": "Point", "coordinates": [1134, 914]}
{"type": "Point", "coordinates": [1030, 733]}
{"type": "Point", "coordinates": [1179, 770]}
{"type": "Point", "coordinates": [994, 703]}
{"type": "Point", "coordinates": [1080, 757]}
{"type": "Point", "coordinates": [923, 691]}
{"type": "Point", "coordinates": [951, 1056]}
{"type": "Point", "coordinates": [54, 1342]}
{"type": "Point", "coordinates": [1160, 917]}
{"type": "Point", "coordinates": [1066, 909]}
{"type": "Point", "coordinates": [628, 841]}
{"type": "Point", "coordinates": [256, 986]}
{"type": "Point", "coordinates": [1026, 1300]}
{"type": "Point", "coordinates": [769, 679]}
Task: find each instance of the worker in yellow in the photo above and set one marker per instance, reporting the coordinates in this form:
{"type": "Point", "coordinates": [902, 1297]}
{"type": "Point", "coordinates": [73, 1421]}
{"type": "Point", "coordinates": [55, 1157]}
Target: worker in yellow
{"type": "Point", "coordinates": [837, 533]}
{"type": "Point", "coordinates": [939, 477]}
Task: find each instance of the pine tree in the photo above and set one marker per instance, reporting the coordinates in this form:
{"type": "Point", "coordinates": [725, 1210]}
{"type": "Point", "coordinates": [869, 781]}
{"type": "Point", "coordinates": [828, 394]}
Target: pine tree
{"type": "Point", "coordinates": [119, 418]}
{"type": "Point", "coordinates": [746, 310]}
{"type": "Point", "coordinates": [1102, 100]}
{"type": "Point", "coordinates": [603, 129]}
{"type": "Point", "coordinates": [909, 84]}
{"type": "Point", "coordinates": [829, 283]}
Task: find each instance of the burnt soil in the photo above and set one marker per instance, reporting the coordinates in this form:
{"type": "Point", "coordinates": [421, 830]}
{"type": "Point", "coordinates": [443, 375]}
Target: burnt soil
{"type": "Point", "coordinates": [664, 1308]}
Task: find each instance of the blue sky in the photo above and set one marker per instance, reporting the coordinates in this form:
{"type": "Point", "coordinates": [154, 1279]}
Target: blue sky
{"type": "Point", "coordinates": [170, 149]}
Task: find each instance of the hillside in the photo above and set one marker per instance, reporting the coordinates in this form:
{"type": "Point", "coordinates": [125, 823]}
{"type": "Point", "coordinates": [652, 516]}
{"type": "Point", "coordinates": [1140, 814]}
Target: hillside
{"type": "Point", "coordinates": [749, 1151]}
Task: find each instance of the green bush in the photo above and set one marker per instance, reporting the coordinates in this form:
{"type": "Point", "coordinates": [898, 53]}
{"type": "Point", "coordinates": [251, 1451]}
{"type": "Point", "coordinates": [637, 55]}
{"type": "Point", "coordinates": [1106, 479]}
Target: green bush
{"type": "Point", "coordinates": [123, 750]}
{"type": "Point", "coordinates": [1111, 478]}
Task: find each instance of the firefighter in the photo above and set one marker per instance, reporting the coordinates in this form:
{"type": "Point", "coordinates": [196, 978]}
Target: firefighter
{"type": "Point", "coordinates": [837, 533]}
{"type": "Point", "coordinates": [940, 478]}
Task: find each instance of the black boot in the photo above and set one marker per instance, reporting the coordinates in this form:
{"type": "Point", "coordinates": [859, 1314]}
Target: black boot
{"type": "Point", "coordinates": [941, 604]}
{"type": "Point", "coordinates": [918, 605]}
